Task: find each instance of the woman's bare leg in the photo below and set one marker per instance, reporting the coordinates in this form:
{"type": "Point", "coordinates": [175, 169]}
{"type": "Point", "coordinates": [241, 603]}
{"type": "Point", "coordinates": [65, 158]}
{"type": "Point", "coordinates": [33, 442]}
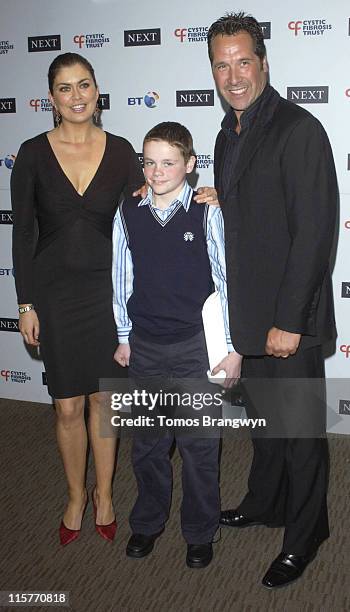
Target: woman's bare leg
{"type": "Point", "coordinates": [104, 449]}
{"type": "Point", "coordinates": [72, 443]}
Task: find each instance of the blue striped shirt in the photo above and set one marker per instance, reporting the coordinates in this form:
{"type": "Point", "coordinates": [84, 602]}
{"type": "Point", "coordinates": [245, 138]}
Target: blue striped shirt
{"type": "Point", "coordinates": [122, 266]}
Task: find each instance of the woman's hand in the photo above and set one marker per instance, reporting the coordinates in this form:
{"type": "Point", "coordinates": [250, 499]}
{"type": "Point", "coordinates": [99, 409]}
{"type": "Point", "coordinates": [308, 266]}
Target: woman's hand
{"type": "Point", "coordinates": [29, 327]}
{"type": "Point", "coordinates": [122, 355]}
{"type": "Point", "coordinates": [207, 195]}
{"type": "Point", "coordinates": [142, 192]}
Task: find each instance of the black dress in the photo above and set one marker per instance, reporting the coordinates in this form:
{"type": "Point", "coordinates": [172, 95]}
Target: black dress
{"type": "Point", "coordinates": [62, 253]}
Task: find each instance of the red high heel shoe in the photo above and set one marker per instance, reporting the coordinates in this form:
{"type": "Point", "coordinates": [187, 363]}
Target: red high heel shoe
{"type": "Point", "coordinates": [69, 535]}
{"type": "Point", "coordinates": [107, 532]}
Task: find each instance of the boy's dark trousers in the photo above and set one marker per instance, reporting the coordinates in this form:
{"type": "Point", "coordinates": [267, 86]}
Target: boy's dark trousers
{"type": "Point", "coordinates": [178, 367]}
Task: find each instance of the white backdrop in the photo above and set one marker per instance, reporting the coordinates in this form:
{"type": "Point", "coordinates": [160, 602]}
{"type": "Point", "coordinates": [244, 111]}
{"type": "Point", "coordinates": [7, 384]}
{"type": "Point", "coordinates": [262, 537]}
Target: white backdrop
{"type": "Point", "coordinates": [150, 51]}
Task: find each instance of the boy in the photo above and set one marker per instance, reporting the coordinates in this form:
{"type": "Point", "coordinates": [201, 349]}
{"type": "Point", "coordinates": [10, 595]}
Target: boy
{"type": "Point", "coordinates": [167, 251]}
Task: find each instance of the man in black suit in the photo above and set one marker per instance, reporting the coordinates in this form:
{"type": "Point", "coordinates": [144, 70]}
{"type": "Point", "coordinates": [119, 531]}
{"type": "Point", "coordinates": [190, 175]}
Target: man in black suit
{"type": "Point", "coordinates": [276, 181]}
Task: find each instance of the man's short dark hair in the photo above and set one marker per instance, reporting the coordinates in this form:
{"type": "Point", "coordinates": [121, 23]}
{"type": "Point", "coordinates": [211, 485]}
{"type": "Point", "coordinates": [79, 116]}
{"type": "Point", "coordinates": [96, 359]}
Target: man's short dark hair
{"type": "Point", "coordinates": [175, 134]}
{"type": "Point", "coordinates": [233, 23]}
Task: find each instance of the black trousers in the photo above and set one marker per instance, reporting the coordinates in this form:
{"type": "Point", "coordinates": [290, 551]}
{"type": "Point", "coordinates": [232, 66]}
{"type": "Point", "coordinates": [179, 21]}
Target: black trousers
{"type": "Point", "coordinates": [288, 480]}
{"type": "Point", "coordinates": [168, 367]}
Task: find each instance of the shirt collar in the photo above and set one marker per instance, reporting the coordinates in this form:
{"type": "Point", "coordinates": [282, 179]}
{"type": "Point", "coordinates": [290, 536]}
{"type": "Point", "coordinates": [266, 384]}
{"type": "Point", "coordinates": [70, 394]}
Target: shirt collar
{"type": "Point", "coordinates": [229, 122]}
{"type": "Point", "coordinates": [184, 198]}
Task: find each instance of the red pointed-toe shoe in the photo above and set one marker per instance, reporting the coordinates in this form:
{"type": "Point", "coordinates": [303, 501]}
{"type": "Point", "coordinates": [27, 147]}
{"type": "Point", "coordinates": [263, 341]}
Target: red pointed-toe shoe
{"type": "Point", "coordinates": [69, 535]}
{"type": "Point", "coordinates": [107, 532]}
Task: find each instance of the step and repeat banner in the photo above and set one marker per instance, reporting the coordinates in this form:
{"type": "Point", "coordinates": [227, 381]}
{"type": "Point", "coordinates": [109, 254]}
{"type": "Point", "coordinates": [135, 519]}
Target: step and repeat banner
{"type": "Point", "coordinates": [152, 65]}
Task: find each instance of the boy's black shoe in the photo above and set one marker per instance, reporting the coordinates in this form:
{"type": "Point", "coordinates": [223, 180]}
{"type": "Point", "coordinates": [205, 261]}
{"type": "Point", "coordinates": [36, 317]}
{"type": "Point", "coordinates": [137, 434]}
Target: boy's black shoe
{"type": "Point", "coordinates": [199, 555]}
{"type": "Point", "coordinates": [140, 545]}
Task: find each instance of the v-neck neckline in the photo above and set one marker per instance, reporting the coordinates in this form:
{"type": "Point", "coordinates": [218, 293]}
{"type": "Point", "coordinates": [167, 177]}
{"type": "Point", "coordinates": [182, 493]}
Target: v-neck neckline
{"type": "Point", "coordinates": [58, 165]}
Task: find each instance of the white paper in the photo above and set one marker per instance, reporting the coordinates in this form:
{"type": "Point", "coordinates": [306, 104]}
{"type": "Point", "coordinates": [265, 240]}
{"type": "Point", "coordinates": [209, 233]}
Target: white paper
{"type": "Point", "coordinates": [215, 335]}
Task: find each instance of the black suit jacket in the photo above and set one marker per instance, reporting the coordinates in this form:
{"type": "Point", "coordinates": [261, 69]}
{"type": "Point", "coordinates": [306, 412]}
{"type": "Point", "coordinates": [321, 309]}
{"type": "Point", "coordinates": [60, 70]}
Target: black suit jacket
{"type": "Point", "coordinates": [279, 213]}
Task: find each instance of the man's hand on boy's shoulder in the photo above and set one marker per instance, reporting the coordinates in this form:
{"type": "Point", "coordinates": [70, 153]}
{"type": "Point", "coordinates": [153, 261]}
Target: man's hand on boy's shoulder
{"type": "Point", "coordinates": [207, 195]}
{"type": "Point", "coordinates": [122, 355]}
{"type": "Point", "coordinates": [231, 364]}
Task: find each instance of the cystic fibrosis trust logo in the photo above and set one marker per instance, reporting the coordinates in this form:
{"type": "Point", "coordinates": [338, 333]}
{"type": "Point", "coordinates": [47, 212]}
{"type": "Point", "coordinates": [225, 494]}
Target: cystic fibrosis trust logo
{"type": "Point", "coordinates": [5, 47]}
{"type": "Point", "coordinates": [40, 104]}
{"type": "Point", "coordinates": [345, 349]}
{"type": "Point", "coordinates": [309, 27]}
{"type": "Point", "coordinates": [188, 237]}
{"type": "Point", "coordinates": [199, 34]}
{"type": "Point", "coordinates": [192, 34]}
{"type": "Point", "coordinates": [14, 377]}
{"type": "Point", "coordinates": [90, 41]}
{"type": "Point", "coordinates": [204, 162]}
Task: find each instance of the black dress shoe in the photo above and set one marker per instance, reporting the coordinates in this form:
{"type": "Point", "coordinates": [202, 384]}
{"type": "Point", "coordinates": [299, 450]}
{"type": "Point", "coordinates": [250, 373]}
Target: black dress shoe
{"type": "Point", "coordinates": [140, 545]}
{"type": "Point", "coordinates": [233, 518]}
{"type": "Point", "coordinates": [285, 569]}
{"type": "Point", "coordinates": [199, 555]}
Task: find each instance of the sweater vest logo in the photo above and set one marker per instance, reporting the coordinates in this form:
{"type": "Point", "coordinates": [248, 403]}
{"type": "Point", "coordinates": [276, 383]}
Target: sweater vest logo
{"type": "Point", "coordinates": [188, 236]}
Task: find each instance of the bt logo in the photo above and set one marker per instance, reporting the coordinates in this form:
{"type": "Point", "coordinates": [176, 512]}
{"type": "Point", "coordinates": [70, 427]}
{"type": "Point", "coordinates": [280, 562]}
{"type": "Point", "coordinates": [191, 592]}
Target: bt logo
{"type": "Point", "coordinates": [79, 39]}
{"type": "Point", "coordinates": [150, 100]}
{"type": "Point", "coordinates": [345, 348]}
{"type": "Point", "coordinates": [181, 33]}
{"type": "Point", "coordinates": [8, 161]}
{"type": "Point", "coordinates": [295, 25]}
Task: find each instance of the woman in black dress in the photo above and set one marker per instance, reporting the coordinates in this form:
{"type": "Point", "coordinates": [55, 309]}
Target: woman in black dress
{"type": "Point", "coordinates": [69, 181]}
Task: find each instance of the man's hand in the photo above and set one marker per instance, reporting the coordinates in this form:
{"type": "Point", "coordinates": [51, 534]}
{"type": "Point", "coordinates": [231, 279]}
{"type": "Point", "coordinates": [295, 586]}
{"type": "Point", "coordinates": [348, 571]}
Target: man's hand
{"type": "Point", "coordinates": [122, 355]}
{"type": "Point", "coordinates": [281, 343]}
{"type": "Point", "coordinates": [143, 191]}
{"type": "Point", "coordinates": [29, 327]}
{"type": "Point", "coordinates": [231, 364]}
{"type": "Point", "coordinates": [207, 195]}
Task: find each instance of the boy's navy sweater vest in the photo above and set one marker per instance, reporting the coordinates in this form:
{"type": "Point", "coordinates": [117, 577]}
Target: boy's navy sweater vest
{"type": "Point", "coordinates": [172, 275]}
